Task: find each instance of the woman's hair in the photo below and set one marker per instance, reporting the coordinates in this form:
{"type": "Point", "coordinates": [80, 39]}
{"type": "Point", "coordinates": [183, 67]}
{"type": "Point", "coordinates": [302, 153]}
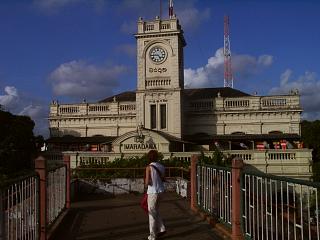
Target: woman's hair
{"type": "Point", "coordinates": [152, 156]}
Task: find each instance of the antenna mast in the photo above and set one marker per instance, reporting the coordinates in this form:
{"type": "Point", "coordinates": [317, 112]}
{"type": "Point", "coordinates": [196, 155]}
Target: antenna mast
{"type": "Point", "coordinates": [170, 8]}
{"type": "Point", "coordinates": [228, 76]}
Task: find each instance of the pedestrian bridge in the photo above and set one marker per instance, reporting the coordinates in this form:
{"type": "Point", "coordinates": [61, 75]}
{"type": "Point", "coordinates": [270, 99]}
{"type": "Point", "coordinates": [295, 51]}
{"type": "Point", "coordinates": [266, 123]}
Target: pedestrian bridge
{"type": "Point", "coordinates": [222, 203]}
{"type": "Point", "coordinates": [115, 218]}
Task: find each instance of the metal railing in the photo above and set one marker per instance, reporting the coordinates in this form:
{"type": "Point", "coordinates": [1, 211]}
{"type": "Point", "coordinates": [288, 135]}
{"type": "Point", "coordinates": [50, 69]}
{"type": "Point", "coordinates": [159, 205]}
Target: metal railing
{"type": "Point", "coordinates": [214, 191]}
{"type": "Point", "coordinates": [56, 193]}
{"type": "Point", "coordinates": [19, 209]}
{"type": "Point", "coordinates": [31, 204]}
{"type": "Point", "coordinates": [279, 208]}
{"type": "Point", "coordinates": [267, 206]}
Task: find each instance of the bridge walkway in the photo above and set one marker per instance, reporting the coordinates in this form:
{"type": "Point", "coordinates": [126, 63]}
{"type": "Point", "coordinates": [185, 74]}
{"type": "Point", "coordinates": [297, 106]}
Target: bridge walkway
{"type": "Point", "coordinates": [95, 217]}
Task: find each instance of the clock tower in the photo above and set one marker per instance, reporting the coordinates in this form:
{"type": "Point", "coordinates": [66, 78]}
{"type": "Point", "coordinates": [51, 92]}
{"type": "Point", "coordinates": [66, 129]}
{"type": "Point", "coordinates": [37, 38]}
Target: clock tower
{"type": "Point", "coordinates": [160, 80]}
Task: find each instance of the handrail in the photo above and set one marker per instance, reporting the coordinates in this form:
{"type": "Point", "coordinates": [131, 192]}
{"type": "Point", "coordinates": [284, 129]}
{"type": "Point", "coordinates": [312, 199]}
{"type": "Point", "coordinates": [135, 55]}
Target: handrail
{"type": "Point", "coordinates": [215, 166]}
{"type": "Point", "coordinates": [266, 205]}
{"type": "Point", "coordinates": [281, 178]}
{"type": "Point", "coordinates": [9, 182]}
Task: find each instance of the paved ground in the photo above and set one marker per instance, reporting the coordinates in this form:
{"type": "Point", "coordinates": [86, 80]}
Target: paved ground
{"type": "Point", "coordinates": [122, 218]}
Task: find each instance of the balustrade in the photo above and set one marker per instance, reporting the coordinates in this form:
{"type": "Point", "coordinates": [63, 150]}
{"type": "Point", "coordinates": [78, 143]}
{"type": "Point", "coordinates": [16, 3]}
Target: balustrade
{"type": "Point", "coordinates": [201, 106]}
{"type": "Point", "coordinates": [149, 27]}
{"type": "Point", "coordinates": [165, 26]}
{"type": "Point", "coordinates": [274, 102]}
{"type": "Point", "coordinates": [69, 110]}
{"type": "Point", "coordinates": [158, 82]}
{"type": "Point", "coordinates": [127, 107]}
{"type": "Point", "coordinates": [237, 103]}
{"type": "Point", "coordinates": [98, 108]}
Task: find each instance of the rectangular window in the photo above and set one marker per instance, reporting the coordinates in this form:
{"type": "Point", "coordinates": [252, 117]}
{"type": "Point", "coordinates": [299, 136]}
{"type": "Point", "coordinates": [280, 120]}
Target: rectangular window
{"type": "Point", "coordinates": [153, 116]}
{"type": "Point", "coordinates": [163, 116]}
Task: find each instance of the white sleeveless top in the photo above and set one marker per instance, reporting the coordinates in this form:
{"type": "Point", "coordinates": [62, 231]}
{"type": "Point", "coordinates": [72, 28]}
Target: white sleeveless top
{"type": "Point", "coordinates": [157, 184]}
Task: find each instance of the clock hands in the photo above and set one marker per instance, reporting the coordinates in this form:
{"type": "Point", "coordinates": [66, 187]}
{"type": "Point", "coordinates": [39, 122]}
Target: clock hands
{"type": "Point", "coordinates": [157, 54]}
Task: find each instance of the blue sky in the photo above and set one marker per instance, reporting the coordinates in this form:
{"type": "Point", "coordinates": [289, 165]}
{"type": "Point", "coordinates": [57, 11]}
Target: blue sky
{"type": "Point", "coordinates": [74, 49]}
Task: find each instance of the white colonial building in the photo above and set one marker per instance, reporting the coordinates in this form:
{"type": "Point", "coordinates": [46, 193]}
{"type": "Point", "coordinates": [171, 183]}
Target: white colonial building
{"type": "Point", "coordinates": [161, 114]}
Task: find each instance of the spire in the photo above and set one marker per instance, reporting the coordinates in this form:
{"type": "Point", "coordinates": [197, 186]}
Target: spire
{"type": "Point", "coordinates": [170, 8]}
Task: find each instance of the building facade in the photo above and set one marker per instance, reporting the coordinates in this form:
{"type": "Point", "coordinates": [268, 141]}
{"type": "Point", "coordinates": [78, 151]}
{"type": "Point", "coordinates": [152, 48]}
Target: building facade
{"type": "Point", "coordinates": [161, 102]}
{"type": "Point", "coordinates": [161, 114]}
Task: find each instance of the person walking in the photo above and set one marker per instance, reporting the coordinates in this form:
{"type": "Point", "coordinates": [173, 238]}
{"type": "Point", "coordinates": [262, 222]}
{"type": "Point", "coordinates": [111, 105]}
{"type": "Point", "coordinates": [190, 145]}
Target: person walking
{"type": "Point", "coordinates": [155, 173]}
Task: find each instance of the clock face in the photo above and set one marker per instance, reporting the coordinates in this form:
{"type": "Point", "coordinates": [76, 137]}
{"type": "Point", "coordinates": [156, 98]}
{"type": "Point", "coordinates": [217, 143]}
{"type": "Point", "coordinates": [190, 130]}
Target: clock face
{"type": "Point", "coordinates": [158, 54]}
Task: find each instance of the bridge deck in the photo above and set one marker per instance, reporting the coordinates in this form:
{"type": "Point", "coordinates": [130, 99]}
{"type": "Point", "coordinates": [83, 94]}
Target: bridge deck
{"type": "Point", "coordinates": [119, 218]}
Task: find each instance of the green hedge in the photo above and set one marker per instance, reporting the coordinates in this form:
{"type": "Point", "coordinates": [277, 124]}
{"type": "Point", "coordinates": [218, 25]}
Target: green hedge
{"type": "Point", "coordinates": [99, 171]}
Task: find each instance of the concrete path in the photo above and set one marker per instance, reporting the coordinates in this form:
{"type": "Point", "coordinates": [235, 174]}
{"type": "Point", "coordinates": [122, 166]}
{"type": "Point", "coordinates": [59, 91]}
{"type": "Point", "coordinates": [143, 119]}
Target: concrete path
{"type": "Point", "coordinates": [120, 218]}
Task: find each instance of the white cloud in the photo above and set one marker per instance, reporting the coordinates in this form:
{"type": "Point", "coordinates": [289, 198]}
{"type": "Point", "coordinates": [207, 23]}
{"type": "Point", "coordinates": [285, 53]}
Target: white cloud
{"type": "Point", "coordinates": [20, 104]}
{"type": "Point", "coordinates": [192, 17]}
{"type": "Point", "coordinates": [284, 78]}
{"type": "Point", "coordinates": [31, 110]}
{"type": "Point", "coordinates": [79, 79]}
{"type": "Point", "coordinates": [10, 98]}
{"type": "Point", "coordinates": [265, 60]}
{"type": "Point", "coordinates": [308, 85]}
{"type": "Point", "coordinates": [211, 75]}
{"type": "Point", "coordinates": [38, 113]}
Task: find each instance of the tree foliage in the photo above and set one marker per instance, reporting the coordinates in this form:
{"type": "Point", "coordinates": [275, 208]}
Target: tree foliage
{"type": "Point", "coordinates": [310, 132]}
{"type": "Point", "coordinates": [217, 159]}
{"type": "Point", "coordinates": [18, 145]}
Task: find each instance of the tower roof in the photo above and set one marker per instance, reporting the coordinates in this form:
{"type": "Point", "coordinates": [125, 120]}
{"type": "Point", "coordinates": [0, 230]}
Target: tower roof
{"type": "Point", "coordinates": [129, 96]}
{"type": "Point", "coordinates": [194, 93]}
